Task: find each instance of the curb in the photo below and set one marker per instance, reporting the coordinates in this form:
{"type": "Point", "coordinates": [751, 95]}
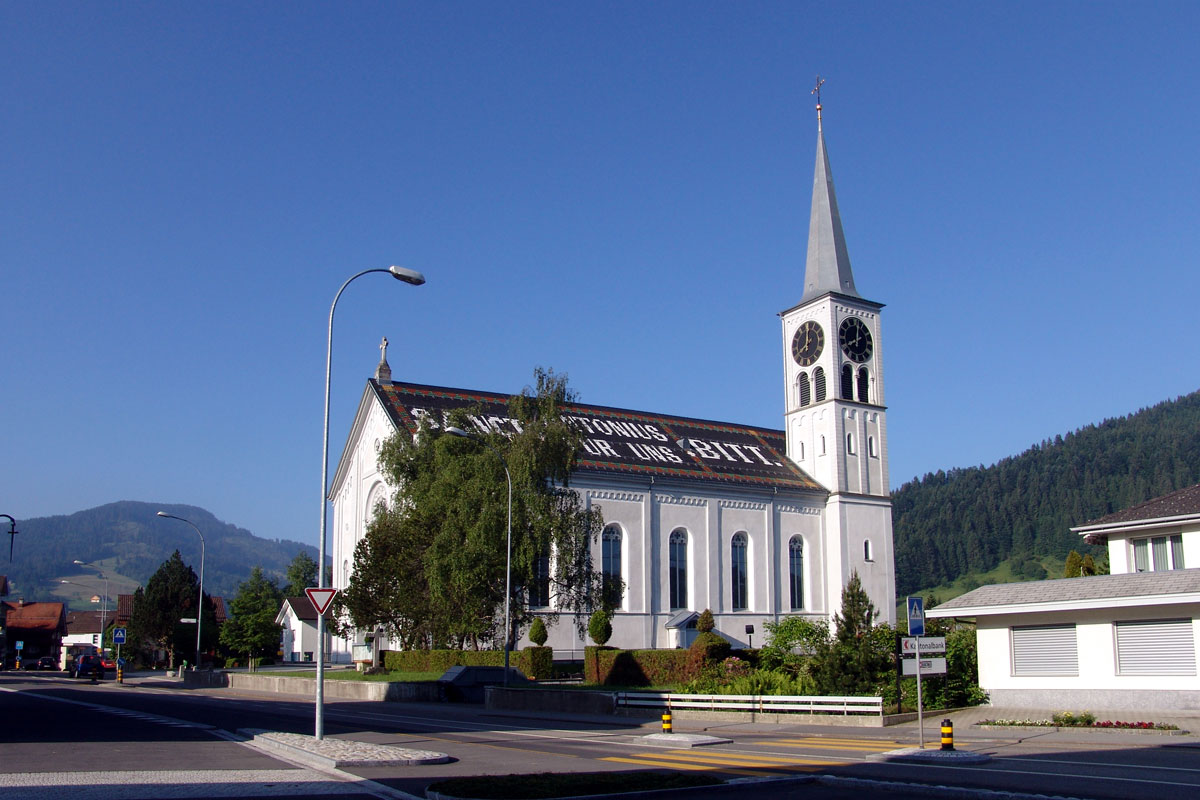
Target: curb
{"type": "Point", "coordinates": [338, 753]}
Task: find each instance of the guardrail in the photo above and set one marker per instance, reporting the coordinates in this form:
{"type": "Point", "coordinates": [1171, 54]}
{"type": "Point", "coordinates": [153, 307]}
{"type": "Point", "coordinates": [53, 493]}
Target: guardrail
{"type": "Point", "coordinates": [776, 704]}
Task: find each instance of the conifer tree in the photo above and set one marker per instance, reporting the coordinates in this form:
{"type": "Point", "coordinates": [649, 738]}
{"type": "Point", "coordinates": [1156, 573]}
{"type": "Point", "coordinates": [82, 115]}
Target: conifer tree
{"type": "Point", "coordinates": [850, 665]}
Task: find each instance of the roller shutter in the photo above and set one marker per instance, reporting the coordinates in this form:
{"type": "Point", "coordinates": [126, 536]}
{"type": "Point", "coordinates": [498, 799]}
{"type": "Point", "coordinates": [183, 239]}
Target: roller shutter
{"type": "Point", "coordinates": [1156, 647]}
{"type": "Point", "coordinates": [1045, 650]}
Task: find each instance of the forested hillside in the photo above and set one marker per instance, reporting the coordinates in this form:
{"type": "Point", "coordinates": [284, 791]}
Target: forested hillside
{"type": "Point", "coordinates": [128, 539]}
{"type": "Point", "coordinates": [969, 520]}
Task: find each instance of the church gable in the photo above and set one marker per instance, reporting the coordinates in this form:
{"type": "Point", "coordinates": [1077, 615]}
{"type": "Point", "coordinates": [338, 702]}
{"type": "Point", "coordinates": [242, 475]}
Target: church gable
{"type": "Point", "coordinates": [620, 441]}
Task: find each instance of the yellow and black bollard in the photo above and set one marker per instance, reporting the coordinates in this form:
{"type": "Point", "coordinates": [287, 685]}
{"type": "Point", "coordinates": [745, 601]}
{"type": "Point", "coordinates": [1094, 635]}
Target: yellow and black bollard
{"type": "Point", "coordinates": [947, 734]}
{"type": "Point", "coordinates": [666, 720]}
{"type": "Point", "coordinates": [120, 674]}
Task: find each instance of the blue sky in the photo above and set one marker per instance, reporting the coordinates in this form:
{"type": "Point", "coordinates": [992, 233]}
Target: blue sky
{"type": "Point", "coordinates": [619, 191]}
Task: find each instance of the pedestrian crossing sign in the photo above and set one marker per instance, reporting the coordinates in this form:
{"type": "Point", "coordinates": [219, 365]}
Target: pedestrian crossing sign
{"type": "Point", "coordinates": [916, 616]}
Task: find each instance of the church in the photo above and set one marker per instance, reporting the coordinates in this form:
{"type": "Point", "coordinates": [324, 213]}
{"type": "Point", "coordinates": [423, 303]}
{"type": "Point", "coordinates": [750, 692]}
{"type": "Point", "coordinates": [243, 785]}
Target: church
{"type": "Point", "coordinates": [751, 523]}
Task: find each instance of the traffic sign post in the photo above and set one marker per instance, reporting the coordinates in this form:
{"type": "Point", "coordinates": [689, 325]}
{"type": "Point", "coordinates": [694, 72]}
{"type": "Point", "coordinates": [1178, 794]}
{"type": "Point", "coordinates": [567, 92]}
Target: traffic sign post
{"type": "Point", "coordinates": [916, 628]}
{"type": "Point", "coordinates": [118, 640]}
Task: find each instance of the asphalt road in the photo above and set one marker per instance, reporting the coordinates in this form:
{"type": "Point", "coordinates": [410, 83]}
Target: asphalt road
{"type": "Point", "coordinates": [159, 740]}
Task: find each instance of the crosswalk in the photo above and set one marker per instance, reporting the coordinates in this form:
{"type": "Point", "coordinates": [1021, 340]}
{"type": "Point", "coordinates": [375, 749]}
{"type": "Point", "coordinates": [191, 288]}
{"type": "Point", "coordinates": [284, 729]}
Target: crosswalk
{"type": "Point", "coordinates": [812, 754]}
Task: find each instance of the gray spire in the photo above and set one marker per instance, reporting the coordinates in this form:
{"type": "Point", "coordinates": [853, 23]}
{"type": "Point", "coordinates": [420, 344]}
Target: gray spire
{"type": "Point", "coordinates": [828, 266]}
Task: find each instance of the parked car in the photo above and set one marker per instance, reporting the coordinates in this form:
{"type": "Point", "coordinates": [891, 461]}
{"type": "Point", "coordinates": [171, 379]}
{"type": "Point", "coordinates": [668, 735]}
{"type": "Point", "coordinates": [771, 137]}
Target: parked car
{"type": "Point", "coordinates": [87, 667]}
{"type": "Point", "coordinates": [108, 662]}
{"type": "Point", "coordinates": [47, 662]}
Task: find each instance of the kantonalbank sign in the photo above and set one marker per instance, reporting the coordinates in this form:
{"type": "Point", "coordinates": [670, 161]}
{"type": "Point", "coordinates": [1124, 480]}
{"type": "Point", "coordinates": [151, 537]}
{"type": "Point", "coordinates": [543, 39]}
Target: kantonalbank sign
{"type": "Point", "coordinates": [618, 440]}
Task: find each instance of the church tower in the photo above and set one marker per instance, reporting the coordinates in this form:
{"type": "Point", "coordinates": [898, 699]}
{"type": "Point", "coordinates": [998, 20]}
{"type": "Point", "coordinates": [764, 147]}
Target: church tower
{"type": "Point", "coordinates": [835, 418]}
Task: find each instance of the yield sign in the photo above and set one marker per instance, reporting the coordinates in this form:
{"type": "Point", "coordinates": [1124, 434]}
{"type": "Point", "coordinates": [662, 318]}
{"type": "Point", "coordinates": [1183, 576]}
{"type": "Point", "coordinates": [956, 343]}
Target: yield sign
{"type": "Point", "coordinates": [320, 598]}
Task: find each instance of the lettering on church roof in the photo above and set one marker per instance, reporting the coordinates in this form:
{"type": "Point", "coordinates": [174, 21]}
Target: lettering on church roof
{"type": "Point", "coordinates": [618, 440]}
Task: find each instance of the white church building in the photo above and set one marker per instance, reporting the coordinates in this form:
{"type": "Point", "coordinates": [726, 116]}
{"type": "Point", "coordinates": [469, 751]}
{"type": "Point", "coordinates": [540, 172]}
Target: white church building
{"type": "Point", "coordinates": [754, 524]}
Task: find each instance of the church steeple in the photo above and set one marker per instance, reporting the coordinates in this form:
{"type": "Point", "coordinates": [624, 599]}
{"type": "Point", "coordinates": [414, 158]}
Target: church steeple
{"type": "Point", "coordinates": [827, 268]}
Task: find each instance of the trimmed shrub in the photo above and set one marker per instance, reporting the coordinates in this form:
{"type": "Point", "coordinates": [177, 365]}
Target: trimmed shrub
{"type": "Point", "coordinates": [600, 627]}
{"type": "Point", "coordinates": [536, 662]}
{"type": "Point", "coordinates": [612, 667]}
{"type": "Point", "coordinates": [705, 623]}
{"type": "Point", "coordinates": [538, 633]}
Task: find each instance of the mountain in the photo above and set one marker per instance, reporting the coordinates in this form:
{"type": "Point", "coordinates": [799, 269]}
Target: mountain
{"type": "Point", "coordinates": [970, 520]}
{"type": "Point", "coordinates": [129, 541]}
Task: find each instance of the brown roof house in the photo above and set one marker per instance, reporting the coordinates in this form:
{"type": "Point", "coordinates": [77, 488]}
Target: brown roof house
{"type": "Point", "coordinates": [1125, 641]}
{"type": "Point", "coordinates": [299, 621]}
{"type": "Point", "coordinates": [32, 630]}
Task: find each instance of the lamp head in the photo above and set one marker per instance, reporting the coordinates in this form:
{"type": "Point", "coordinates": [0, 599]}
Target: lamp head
{"type": "Point", "coordinates": [457, 432]}
{"type": "Point", "coordinates": [163, 514]}
{"type": "Point", "coordinates": [407, 275]}
{"type": "Point", "coordinates": [77, 561]}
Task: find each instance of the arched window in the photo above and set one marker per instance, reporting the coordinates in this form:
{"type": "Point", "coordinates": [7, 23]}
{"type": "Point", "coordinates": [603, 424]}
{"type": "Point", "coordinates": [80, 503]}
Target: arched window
{"type": "Point", "coordinates": [871, 447]}
{"type": "Point", "coordinates": [819, 383]}
{"type": "Point", "coordinates": [867, 550]}
{"type": "Point", "coordinates": [801, 450]}
{"type": "Point", "coordinates": [863, 385]}
{"type": "Point", "coordinates": [610, 543]}
{"type": "Point", "coordinates": [737, 561]}
{"type": "Point", "coordinates": [677, 558]}
{"type": "Point", "coordinates": [805, 390]}
{"type": "Point", "coordinates": [850, 443]}
{"type": "Point", "coordinates": [847, 382]}
{"type": "Point", "coordinates": [822, 445]}
{"type": "Point", "coordinates": [796, 571]}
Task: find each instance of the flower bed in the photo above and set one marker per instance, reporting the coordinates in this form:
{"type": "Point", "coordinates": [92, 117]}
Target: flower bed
{"type": "Point", "coordinates": [1085, 719]}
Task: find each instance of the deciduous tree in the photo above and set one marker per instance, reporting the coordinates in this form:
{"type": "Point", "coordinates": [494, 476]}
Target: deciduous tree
{"type": "Point", "coordinates": [252, 629]}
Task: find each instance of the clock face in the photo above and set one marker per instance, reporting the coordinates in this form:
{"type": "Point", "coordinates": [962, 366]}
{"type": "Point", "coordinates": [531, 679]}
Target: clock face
{"type": "Point", "coordinates": [808, 343]}
{"type": "Point", "coordinates": [855, 340]}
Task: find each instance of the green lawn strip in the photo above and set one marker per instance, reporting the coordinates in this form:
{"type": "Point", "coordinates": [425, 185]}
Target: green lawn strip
{"type": "Point", "coordinates": [546, 784]}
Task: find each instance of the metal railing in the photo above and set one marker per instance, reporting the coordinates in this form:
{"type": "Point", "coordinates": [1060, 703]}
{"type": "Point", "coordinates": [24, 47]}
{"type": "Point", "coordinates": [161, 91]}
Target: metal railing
{"type": "Point", "coordinates": [777, 704]}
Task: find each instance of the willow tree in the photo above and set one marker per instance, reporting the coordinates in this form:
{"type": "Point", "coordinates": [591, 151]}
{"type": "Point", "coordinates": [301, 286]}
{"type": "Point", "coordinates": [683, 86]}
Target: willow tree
{"type": "Point", "coordinates": [431, 568]}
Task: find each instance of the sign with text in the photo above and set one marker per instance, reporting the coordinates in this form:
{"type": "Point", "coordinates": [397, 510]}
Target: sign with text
{"type": "Point", "coordinates": [929, 644]}
{"type": "Point", "coordinates": [928, 666]}
{"type": "Point", "coordinates": [321, 599]}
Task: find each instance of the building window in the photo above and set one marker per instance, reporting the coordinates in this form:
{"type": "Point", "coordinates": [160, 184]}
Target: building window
{"type": "Point", "coordinates": [822, 444]}
{"type": "Point", "coordinates": [678, 569]}
{"type": "Point", "coordinates": [796, 572]}
{"type": "Point", "coordinates": [539, 591]}
{"type": "Point", "coordinates": [847, 382]}
{"type": "Point", "coordinates": [871, 447]}
{"type": "Point", "coordinates": [611, 565]}
{"type": "Point", "coordinates": [737, 560]}
{"type": "Point", "coordinates": [1158, 554]}
{"type": "Point", "coordinates": [850, 443]}
{"type": "Point", "coordinates": [805, 390]}
{"type": "Point", "coordinates": [867, 555]}
{"type": "Point", "coordinates": [863, 385]}
{"type": "Point", "coordinates": [1156, 647]}
{"type": "Point", "coordinates": [1045, 650]}
{"type": "Point", "coordinates": [819, 383]}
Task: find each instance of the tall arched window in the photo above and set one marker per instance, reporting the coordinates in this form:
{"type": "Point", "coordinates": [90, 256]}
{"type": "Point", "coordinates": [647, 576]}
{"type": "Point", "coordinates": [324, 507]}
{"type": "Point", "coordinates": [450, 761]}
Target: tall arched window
{"type": "Point", "coordinates": [867, 554]}
{"type": "Point", "coordinates": [610, 544]}
{"type": "Point", "coordinates": [677, 558]}
{"type": "Point", "coordinates": [819, 383]}
{"type": "Point", "coordinates": [850, 443]}
{"type": "Point", "coordinates": [805, 389]}
{"type": "Point", "coordinates": [796, 571]}
{"type": "Point", "coordinates": [847, 382]}
{"type": "Point", "coordinates": [539, 591]}
{"type": "Point", "coordinates": [738, 579]}
{"type": "Point", "coordinates": [863, 385]}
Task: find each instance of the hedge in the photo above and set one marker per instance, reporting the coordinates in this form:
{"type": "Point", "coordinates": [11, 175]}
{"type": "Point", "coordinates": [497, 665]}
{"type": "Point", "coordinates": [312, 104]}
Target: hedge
{"type": "Point", "coordinates": [609, 666]}
{"type": "Point", "coordinates": [535, 662]}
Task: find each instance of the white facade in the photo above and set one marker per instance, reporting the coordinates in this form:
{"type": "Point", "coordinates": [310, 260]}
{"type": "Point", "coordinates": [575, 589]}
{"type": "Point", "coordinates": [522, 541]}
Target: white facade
{"type": "Point", "coordinates": [691, 501]}
{"type": "Point", "coordinates": [299, 636]}
{"type": "Point", "coordinates": [1120, 642]}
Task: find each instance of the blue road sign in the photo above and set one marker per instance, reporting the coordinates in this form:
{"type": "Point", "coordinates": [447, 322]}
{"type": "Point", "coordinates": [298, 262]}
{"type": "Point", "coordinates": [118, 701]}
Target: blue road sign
{"type": "Point", "coordinates": [916, 616]}
{"type": "Point", "coordinates": [118, 636]}
{"type": "Point", "coordinates": [20, 645]}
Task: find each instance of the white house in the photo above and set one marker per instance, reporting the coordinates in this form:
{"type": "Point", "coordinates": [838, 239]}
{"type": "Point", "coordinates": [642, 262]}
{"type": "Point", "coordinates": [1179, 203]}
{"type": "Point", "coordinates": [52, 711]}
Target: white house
{"type": "Point", "coordinates": [1124, 641]}
{"type": "Point", "coordinates": [751, 523]}
{"type": "Point", "coordinates": [299, 636]}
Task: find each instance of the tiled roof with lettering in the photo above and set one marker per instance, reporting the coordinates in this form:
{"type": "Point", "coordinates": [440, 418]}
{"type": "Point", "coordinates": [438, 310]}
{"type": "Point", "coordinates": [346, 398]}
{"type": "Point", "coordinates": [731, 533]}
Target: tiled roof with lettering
{"type": "Point", "coordinates": [620, 441]}
{"type": "Point", "coordinates": [1068, 590]}
{"type": "Point", "coordinates": [1185, 502]}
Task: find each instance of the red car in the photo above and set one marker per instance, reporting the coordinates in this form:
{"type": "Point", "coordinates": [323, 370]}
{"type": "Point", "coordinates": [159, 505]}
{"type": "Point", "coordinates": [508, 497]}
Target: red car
{"type": "Point", "coordinates": [107, 662]}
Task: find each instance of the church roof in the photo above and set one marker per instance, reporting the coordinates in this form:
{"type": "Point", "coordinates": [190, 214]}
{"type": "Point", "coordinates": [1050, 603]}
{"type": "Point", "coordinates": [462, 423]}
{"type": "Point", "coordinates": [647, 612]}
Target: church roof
{"type": "Point", "coordinates": [620, 441]}
{"type": "Point", "coordinates": [827, 268]}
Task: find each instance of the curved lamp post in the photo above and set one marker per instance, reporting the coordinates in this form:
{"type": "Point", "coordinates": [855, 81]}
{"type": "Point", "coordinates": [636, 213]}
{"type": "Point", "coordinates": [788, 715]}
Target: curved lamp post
{"type": "Point", "coordinates": [12, 533]}
{"type": "Point", "coordinates": [508, 546]}
{"type": "Point", "coordinates": [414, 278]}
{"type": "Point", "coordinates": [200, 606]}
{"type": "Point", "coordinates": [104, 605]}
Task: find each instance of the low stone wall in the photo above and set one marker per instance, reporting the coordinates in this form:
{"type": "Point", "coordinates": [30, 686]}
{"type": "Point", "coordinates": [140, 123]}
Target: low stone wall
{"type": "Point", "coordinates": [340, 690]}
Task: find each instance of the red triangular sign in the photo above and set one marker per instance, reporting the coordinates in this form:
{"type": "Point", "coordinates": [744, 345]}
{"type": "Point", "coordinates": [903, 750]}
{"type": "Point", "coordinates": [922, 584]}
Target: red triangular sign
{"type": "Point", "coordinates": [321, 599]}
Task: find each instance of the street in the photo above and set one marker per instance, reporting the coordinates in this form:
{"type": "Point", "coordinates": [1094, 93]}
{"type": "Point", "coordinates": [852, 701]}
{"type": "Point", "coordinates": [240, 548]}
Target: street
{"type": "Point", "coordinates": [155, 739]}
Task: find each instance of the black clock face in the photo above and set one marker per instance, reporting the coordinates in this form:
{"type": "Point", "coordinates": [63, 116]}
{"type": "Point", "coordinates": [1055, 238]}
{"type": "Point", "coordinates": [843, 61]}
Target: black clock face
{"type": "Point", "coordinates": [855, 340]}
{"type": "Point", "coordinates": [808, 343]}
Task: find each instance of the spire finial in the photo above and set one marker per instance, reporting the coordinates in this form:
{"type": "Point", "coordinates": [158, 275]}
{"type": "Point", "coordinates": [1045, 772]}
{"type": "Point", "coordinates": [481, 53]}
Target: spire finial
{"type": "Point", "coordinates": [383, 372]}
{"type": "Point", "coordinates": [817, 91]}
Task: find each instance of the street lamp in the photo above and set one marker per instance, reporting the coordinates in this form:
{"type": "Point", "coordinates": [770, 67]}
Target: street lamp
{"type": "Point", "coordinates": [414, 278]}
{"type": "Point", "coordinates": [200, 605]}
{"type": "Point", "coordinates": [508, 554]}
{"type": "Point", "coordinates": [103, 605]}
